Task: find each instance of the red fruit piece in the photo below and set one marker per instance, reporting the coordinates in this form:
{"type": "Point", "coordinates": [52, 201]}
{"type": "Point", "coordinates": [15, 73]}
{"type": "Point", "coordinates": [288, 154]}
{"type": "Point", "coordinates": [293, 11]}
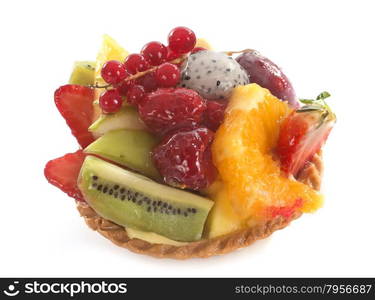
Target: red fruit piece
{"type": "Point", "coordinates": [124, 86]}
{"type": "Point", "coordinates": [184, 159]}
{"type": "Point", "coordinates": [284, 211]}
{"type": "Point", "coordinates": [214, 114]}
{"type": "Point", "coordinates": [197, 49]}
{"type": "Point", "coordinates": [74, 102]}
{"type": "Point", "coordinates": [268, 75]}
{"type": "Point", "coordinates": [63, 173]}
{"type": "Point", "coordinates": [148, 82]}
{"type": "Point", "coordinates": [168, 109]}
{"type": "Point", "coordinates": [302, 134]}
{"type": "Point", "coordinates": [135, 94]}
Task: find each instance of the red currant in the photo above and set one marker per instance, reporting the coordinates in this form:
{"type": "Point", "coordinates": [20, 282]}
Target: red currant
{"type": "Point", "coordinates": [171, 55]}
{"type": "Point", "coordinates": [135, 94]}
{"type": "Point", "coordinates": [148, 82]}
{"type": "Point", "coordinates": [181, 40]}
{"type": "Point", "coordinates": [167, 75]}
{"type": "Point", "coordinates": [197, 49]}
{"type": "Point", "coordinates": [113, 72]}
{"type": "Point", "coordinates": [155, 53]}
{"type": "Point", "coordinates": [135, 63]}
{"type": "Point", "coordinates": [184, 159]}
{"type": "Point", "coordinates": [110, 101]}
{"type": "Point", "coordinates": [124, 86]}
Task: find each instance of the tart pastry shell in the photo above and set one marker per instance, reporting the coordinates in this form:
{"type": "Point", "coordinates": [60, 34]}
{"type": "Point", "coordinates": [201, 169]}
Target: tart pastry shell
{"type": "Point", "coordinates": [311, 175]}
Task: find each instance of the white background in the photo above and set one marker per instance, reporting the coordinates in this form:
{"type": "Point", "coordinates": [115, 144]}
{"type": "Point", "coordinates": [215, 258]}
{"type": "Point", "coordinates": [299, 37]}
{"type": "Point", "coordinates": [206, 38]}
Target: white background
{"type": "Point", "coordinates": [321, 45]}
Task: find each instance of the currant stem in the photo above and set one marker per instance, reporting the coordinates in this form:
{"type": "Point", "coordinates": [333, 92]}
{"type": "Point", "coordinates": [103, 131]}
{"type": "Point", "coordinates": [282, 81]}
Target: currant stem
{"type": "Point", "coordinates": [140, 74]}
{"type": "Point", "coordinates": [97, 86]}
{"type": "Point", "coordinates": [230, 53]}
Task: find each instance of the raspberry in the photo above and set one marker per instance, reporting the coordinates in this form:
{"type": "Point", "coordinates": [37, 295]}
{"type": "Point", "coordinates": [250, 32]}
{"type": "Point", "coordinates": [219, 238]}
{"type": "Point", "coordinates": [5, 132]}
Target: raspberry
{"type": "Point", "coordinates": [214, 114]}
{"type": "Point", "coordinates": [169, 109]}
{"type": "Point", "coordinates": [184, 159]}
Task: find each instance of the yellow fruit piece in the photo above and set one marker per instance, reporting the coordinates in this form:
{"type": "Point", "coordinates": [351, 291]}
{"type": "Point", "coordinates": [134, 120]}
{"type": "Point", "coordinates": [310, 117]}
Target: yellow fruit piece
{"type": "Point", "coordinates": [152, 237]}
{"type": "Point", "coordinates": [222, 218]}
{"type": "Point", "coordinates": [203, 43]}
{"type": "Point", "coordinates": [242, 151]}
{"type": "Point", "coordinates": [110, 50]}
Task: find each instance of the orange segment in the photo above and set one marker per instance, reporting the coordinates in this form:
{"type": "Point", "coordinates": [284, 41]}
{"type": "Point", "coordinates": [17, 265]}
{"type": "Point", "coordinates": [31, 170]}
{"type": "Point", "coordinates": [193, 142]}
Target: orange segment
{"type": "Point", "coordinates": [250, 176]}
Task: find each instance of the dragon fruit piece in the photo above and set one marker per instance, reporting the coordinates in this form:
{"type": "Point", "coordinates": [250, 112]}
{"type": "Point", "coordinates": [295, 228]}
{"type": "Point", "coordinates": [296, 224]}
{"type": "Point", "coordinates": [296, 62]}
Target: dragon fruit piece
{"type": "Point", "coordinates": [212, 74]}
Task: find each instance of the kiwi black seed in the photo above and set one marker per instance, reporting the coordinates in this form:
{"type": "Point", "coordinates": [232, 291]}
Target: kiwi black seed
{"type": "Point", "coordinates": [151, 205]}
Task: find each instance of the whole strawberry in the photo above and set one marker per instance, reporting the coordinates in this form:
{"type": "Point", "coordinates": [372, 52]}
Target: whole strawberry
{"type": "Point", "coordinates": [184, 159]}
{"type": "Point", "coordinates": [303, 133]}
{"type": "Point", "coordinates": [166, 110]}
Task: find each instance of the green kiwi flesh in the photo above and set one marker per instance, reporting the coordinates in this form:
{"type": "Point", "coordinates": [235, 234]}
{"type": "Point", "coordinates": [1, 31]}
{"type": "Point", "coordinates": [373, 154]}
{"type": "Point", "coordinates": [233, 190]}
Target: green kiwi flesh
{"type": "Point", "coordinates": [83, 73]}
{"type": "Point", "coordinates": [132, 200]}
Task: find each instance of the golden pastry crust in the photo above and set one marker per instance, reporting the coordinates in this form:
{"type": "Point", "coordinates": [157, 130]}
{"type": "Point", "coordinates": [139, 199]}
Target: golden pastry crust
{"type": "Point", "coordinates": [310, 175]}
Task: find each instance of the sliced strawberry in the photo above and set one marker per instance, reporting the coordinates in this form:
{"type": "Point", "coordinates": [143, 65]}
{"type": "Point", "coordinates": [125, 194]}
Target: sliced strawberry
{"type": "Point", "coordinates": [302, 134]}
{"type": "Point", "coordinates": [75, 104]}
{"type": "Point", "coordinates": [63, 173]}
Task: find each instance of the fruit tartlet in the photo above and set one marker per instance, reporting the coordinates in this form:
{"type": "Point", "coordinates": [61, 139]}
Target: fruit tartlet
{"type": "Point", "coordinates": [186, 151]}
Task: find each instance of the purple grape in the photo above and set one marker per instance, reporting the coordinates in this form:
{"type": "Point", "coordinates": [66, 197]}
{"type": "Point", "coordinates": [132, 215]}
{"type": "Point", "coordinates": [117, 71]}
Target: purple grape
{"type": "Point", "coordinates": [268, 75]}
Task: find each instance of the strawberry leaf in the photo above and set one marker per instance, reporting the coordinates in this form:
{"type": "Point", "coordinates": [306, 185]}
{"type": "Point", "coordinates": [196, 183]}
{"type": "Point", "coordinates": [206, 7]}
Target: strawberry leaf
{"type": "Point", "coordinates": [307, 101]}
{"type": "Point", "coordinates": [323, 95]}
{"type": "Point", "coordinates": [319, 99]}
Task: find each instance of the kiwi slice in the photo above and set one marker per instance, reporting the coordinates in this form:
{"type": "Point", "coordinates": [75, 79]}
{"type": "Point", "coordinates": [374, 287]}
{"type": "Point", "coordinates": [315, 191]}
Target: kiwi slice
{"type": "Point", "coordinates": [126, 118]}
{"type": "Point", "coordinates": [129, 148]}
{"type": "Point", "coordinates": [83, 73]}
{"type": "Point", "coordinates": [132, 200]}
